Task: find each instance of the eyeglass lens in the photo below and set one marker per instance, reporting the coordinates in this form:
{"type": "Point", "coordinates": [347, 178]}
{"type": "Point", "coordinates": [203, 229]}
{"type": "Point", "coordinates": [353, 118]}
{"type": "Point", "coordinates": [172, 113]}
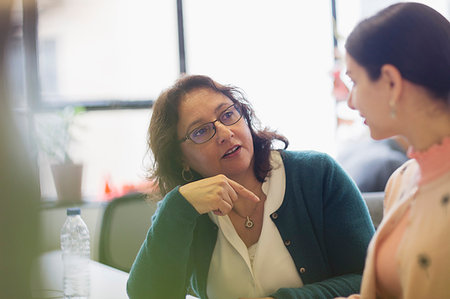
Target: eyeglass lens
{"type": "Point", "coordinates": [206, 131]}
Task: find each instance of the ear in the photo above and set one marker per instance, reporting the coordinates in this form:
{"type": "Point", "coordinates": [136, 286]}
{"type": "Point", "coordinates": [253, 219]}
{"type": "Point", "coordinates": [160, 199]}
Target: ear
{"type": "Point", "coordinates": [394, 80]}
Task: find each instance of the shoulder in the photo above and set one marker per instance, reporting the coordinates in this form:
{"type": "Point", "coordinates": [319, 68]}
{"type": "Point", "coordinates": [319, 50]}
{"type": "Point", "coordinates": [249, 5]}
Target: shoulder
{"type": "Point", "coordinates": [405, 172]}
{"type": "Point", "coordinates": [308, 162]}
{"type": "Point", "coordinates": [313, 169]}
{"type": "Point", "coordinates": [403, 176]}
{"type": "Point", "coordinates": [306, 157]}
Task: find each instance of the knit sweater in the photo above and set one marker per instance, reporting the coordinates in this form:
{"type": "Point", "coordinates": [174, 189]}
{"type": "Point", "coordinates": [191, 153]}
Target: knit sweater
{"type": "Point", "coordinates": [322, 215]}
{"type": "Point", "coordinates": [422, 187]}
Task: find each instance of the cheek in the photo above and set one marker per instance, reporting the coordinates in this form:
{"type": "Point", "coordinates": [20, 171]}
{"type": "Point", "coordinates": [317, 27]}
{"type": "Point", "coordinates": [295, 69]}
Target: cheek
{"type": "Point", "coordinates": [199, 159]}
{"type": "Point", "coordinates": [245, 135]}
{"type": "Point", "coordinates": [193, 156]}
{"type": "Point", "coordinates": [363, 98]}
{"type": "Point", "coordinates": [358, 97]}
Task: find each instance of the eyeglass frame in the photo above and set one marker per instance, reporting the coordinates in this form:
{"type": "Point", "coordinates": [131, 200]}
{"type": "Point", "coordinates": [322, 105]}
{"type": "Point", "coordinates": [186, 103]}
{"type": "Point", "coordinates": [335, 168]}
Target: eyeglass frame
{"type": "Point", "coordinates": [238, 109]}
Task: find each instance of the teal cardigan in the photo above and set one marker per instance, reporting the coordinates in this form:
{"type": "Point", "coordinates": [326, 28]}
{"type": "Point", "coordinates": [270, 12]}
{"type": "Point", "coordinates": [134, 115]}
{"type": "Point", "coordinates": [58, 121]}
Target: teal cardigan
{"type": "Point", "coordinates": [322, 214]}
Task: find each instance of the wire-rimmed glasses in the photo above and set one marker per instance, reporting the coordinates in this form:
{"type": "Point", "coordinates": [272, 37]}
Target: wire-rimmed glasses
{"type": "Point", "coordinates": [205, 132]}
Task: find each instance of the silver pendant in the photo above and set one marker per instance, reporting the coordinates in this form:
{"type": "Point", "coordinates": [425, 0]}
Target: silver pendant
{"type": "Point", "coordinates": [249, 223]}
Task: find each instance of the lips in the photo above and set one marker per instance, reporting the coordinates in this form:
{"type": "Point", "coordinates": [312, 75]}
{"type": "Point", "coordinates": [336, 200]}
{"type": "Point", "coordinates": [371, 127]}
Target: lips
{"type": "Point", "coordinates": [231, 151]}
{"type": "Point", "coordinates": [363, 118]}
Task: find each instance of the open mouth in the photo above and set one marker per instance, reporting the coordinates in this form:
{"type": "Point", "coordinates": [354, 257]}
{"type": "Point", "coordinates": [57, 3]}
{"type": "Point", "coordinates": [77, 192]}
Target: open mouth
{"type": "Point", "coordinates": [231, 151]}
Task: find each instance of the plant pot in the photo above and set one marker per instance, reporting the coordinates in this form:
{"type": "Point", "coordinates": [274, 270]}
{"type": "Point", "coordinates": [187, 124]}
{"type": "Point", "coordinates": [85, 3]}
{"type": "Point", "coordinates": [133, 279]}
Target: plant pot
{"type": "Point", "coordinates": [67, 178]}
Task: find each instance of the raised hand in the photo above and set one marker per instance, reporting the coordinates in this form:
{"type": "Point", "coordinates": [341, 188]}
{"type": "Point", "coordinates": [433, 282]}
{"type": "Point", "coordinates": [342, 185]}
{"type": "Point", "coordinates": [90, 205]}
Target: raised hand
{"type": "Point", "coordinates": [217, 193]}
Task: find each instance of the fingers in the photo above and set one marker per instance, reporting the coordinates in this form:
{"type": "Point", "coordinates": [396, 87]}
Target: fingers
{"type": "Point", "coordinates": [216, 194]}
{"type": "Point", "coordinates": [218, 212]}
{"type": "Point", "coordinates": [224, 208]}
{"type": "Point", "coordinates": [242, 191]}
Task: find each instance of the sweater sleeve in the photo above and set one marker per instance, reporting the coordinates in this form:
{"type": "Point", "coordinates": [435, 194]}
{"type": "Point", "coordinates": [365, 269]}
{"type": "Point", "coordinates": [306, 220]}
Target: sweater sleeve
{"type": "Point", "coordinates": [162, 266]}
{"type": "Point", "coordinates": [348, 227]}
{"type": "Point", "coordinates": [342, 285]}
{"type": "Point", "coordinates": [342, 228]}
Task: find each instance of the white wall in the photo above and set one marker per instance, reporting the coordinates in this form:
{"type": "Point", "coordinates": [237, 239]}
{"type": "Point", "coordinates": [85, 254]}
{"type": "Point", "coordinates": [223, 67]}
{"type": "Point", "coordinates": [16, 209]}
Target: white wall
{"type": "Point", "coordinates": [279, 52]}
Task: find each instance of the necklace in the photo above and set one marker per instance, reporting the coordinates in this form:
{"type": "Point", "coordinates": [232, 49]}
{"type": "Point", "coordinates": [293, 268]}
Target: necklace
{"type": "Point", "coordinates": [249, 223]}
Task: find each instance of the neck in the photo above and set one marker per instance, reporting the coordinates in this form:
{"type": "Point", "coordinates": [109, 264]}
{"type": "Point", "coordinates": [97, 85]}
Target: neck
{"type": "Point", "coordinates": [246, 207]}
{"type": "Point", "coordinates": [426, 121]}
{"type": "Point", "coordinates": [248, 180]}
{"type": "Point", "coordinates": [429, 134]}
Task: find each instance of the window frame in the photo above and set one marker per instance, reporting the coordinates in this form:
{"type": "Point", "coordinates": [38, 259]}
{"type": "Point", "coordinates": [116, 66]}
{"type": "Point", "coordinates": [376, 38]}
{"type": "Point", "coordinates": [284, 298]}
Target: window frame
{"type": "Point", "coordinates": [34, 98]}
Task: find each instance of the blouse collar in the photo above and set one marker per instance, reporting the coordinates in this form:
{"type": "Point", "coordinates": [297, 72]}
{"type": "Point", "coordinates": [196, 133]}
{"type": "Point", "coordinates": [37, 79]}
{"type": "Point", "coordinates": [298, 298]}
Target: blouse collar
{"type": "Point", "coordinates": [433, 162]}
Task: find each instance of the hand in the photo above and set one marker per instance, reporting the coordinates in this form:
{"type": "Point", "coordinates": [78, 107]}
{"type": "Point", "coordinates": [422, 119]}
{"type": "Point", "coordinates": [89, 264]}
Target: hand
{"type": "Point", "coordinates": [217, 193]}
{"type": "Point", "coordinates": [355, 296]}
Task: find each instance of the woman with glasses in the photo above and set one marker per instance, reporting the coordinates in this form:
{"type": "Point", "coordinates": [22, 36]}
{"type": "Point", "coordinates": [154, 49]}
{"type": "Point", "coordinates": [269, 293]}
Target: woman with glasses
{"type": "Point", "coordinates": [239, 219]}
{"type": "Point", "coordinates": [399, 61]}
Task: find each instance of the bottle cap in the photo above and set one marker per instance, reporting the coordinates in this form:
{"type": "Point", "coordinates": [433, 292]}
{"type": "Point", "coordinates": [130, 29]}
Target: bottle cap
{"type": "Point", "coordinates": [73, 211]}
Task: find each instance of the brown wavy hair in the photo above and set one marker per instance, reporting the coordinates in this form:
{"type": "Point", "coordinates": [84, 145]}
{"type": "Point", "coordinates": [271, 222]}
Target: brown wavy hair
{"type": "Point", "coordinates": [163, 139]}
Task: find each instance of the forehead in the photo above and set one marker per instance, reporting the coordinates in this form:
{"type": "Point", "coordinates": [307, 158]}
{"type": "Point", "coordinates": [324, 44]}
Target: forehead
{"type": "Point", "coordinates": [201, 105]}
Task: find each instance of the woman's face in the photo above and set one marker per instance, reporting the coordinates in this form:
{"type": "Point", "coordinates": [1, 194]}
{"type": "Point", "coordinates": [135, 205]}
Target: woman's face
{"type": "Point", "coordinates": [371, 99]}
{"type": "Point", "coordinates": [229, 151]}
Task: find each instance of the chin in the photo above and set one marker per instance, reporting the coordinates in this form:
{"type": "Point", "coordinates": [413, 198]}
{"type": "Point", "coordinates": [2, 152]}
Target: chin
{"type": "Point", "coordinates": [238, 170]}
{"type": "Point", "coordinates": [378, 136]}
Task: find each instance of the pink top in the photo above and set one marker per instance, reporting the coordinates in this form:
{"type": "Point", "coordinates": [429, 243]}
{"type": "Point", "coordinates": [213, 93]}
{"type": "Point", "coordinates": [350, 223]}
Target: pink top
{"type": "Point", "coordinates": [433, 162]}
{"type": "Point", "coordinates": [388, 278]}
{"type": "Point", "coordinates": [409, 255]}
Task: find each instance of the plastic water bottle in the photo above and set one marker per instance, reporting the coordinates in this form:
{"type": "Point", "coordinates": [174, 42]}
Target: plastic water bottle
{"type": "Point", "coordinates": [76, 255]}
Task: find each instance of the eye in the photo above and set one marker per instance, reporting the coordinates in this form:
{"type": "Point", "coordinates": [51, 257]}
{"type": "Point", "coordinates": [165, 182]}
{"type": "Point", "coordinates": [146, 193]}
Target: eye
{"type": "Point", "coordinates": [227, 115]}
{"type": "Point", "coordinates": [230, 115]}
{"type": "Point", "coordinates": [200, 131]}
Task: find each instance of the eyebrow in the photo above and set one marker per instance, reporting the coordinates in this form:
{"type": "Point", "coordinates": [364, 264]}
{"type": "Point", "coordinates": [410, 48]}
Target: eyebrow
{"type": "Point", "coordinates": [201, 121]}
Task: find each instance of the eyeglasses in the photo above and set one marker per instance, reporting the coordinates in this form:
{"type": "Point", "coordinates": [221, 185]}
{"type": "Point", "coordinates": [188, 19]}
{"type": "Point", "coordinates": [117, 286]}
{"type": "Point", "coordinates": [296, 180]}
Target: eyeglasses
{"type": "Point", "coordinates": [205, 132]}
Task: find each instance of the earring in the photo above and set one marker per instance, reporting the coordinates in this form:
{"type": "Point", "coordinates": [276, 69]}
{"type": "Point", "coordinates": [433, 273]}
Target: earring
{"type": "Point", "coordinates": [393, 110]}
{"type": "Point", "coordinates": [184, 173]}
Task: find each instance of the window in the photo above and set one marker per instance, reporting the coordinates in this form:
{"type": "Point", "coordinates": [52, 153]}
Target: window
{"type": "Point", "coordinates": [104, 55]}
{"type": "Point", "coordinates": [94, 50]}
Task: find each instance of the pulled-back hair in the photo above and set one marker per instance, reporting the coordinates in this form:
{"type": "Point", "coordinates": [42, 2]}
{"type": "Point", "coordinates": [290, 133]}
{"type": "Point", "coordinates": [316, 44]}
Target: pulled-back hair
{"type": "Point", "coordinates": [410, 36]}
{"type": "Point", "coordinates": [163, 139]}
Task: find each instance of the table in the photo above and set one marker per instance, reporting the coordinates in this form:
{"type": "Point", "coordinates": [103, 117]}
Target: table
{"type": "Point", "coordinates": [106, 282]}
{"type": "Point", "coordinates": [47, 279]}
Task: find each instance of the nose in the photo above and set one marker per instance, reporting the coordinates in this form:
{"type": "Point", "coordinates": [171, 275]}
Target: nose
{"type": "Point", "coordinates": [223, 132]}
{"type": "Point", "coordinates": [351, 99]}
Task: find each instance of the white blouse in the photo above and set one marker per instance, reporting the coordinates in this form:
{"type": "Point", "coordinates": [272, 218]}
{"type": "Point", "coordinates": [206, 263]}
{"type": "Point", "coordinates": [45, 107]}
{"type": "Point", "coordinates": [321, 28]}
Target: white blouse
{"type": "Point", "coordinates": [260, 270]}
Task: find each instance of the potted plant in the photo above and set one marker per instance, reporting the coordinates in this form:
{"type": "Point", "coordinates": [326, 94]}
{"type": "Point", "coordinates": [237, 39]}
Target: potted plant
{"type": "Point", "coordinates": [54, 137]}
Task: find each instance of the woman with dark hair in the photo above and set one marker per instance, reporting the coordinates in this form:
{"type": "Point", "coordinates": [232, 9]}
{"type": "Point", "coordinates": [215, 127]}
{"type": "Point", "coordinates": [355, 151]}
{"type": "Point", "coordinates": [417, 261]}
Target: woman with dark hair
{"type": "Point", "coordinates": [238, 218]}
{"type": "Point", "coordinates": [399, 61]}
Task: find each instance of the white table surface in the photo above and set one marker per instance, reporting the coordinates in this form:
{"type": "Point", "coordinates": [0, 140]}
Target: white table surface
{"type": "Point", "coordinates": [106, 282]}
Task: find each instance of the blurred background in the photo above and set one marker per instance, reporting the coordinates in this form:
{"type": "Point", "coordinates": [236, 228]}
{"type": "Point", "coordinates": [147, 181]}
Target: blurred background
{"type": "Point", "coordinates": [83, 75]}
{"type": "Point", "coordinates": [78, 79]}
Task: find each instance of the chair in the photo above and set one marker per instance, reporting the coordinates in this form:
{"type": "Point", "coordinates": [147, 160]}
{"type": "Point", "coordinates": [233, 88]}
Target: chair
{"type": "Point", "coordinates": [374, 201]}
{"type": "Point", "coordinates": [124, 227]}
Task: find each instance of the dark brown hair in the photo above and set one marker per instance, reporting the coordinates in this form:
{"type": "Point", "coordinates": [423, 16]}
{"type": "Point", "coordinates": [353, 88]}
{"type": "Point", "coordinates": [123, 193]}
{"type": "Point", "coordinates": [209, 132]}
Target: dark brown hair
{"type": "Point", "coordinates": [411, 36]}
{"type": "Point", "coordinates": [163, 139]}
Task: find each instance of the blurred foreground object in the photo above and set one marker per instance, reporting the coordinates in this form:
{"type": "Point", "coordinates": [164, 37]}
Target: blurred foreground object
{"type": "Point", "coordinates": [19, 197]}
